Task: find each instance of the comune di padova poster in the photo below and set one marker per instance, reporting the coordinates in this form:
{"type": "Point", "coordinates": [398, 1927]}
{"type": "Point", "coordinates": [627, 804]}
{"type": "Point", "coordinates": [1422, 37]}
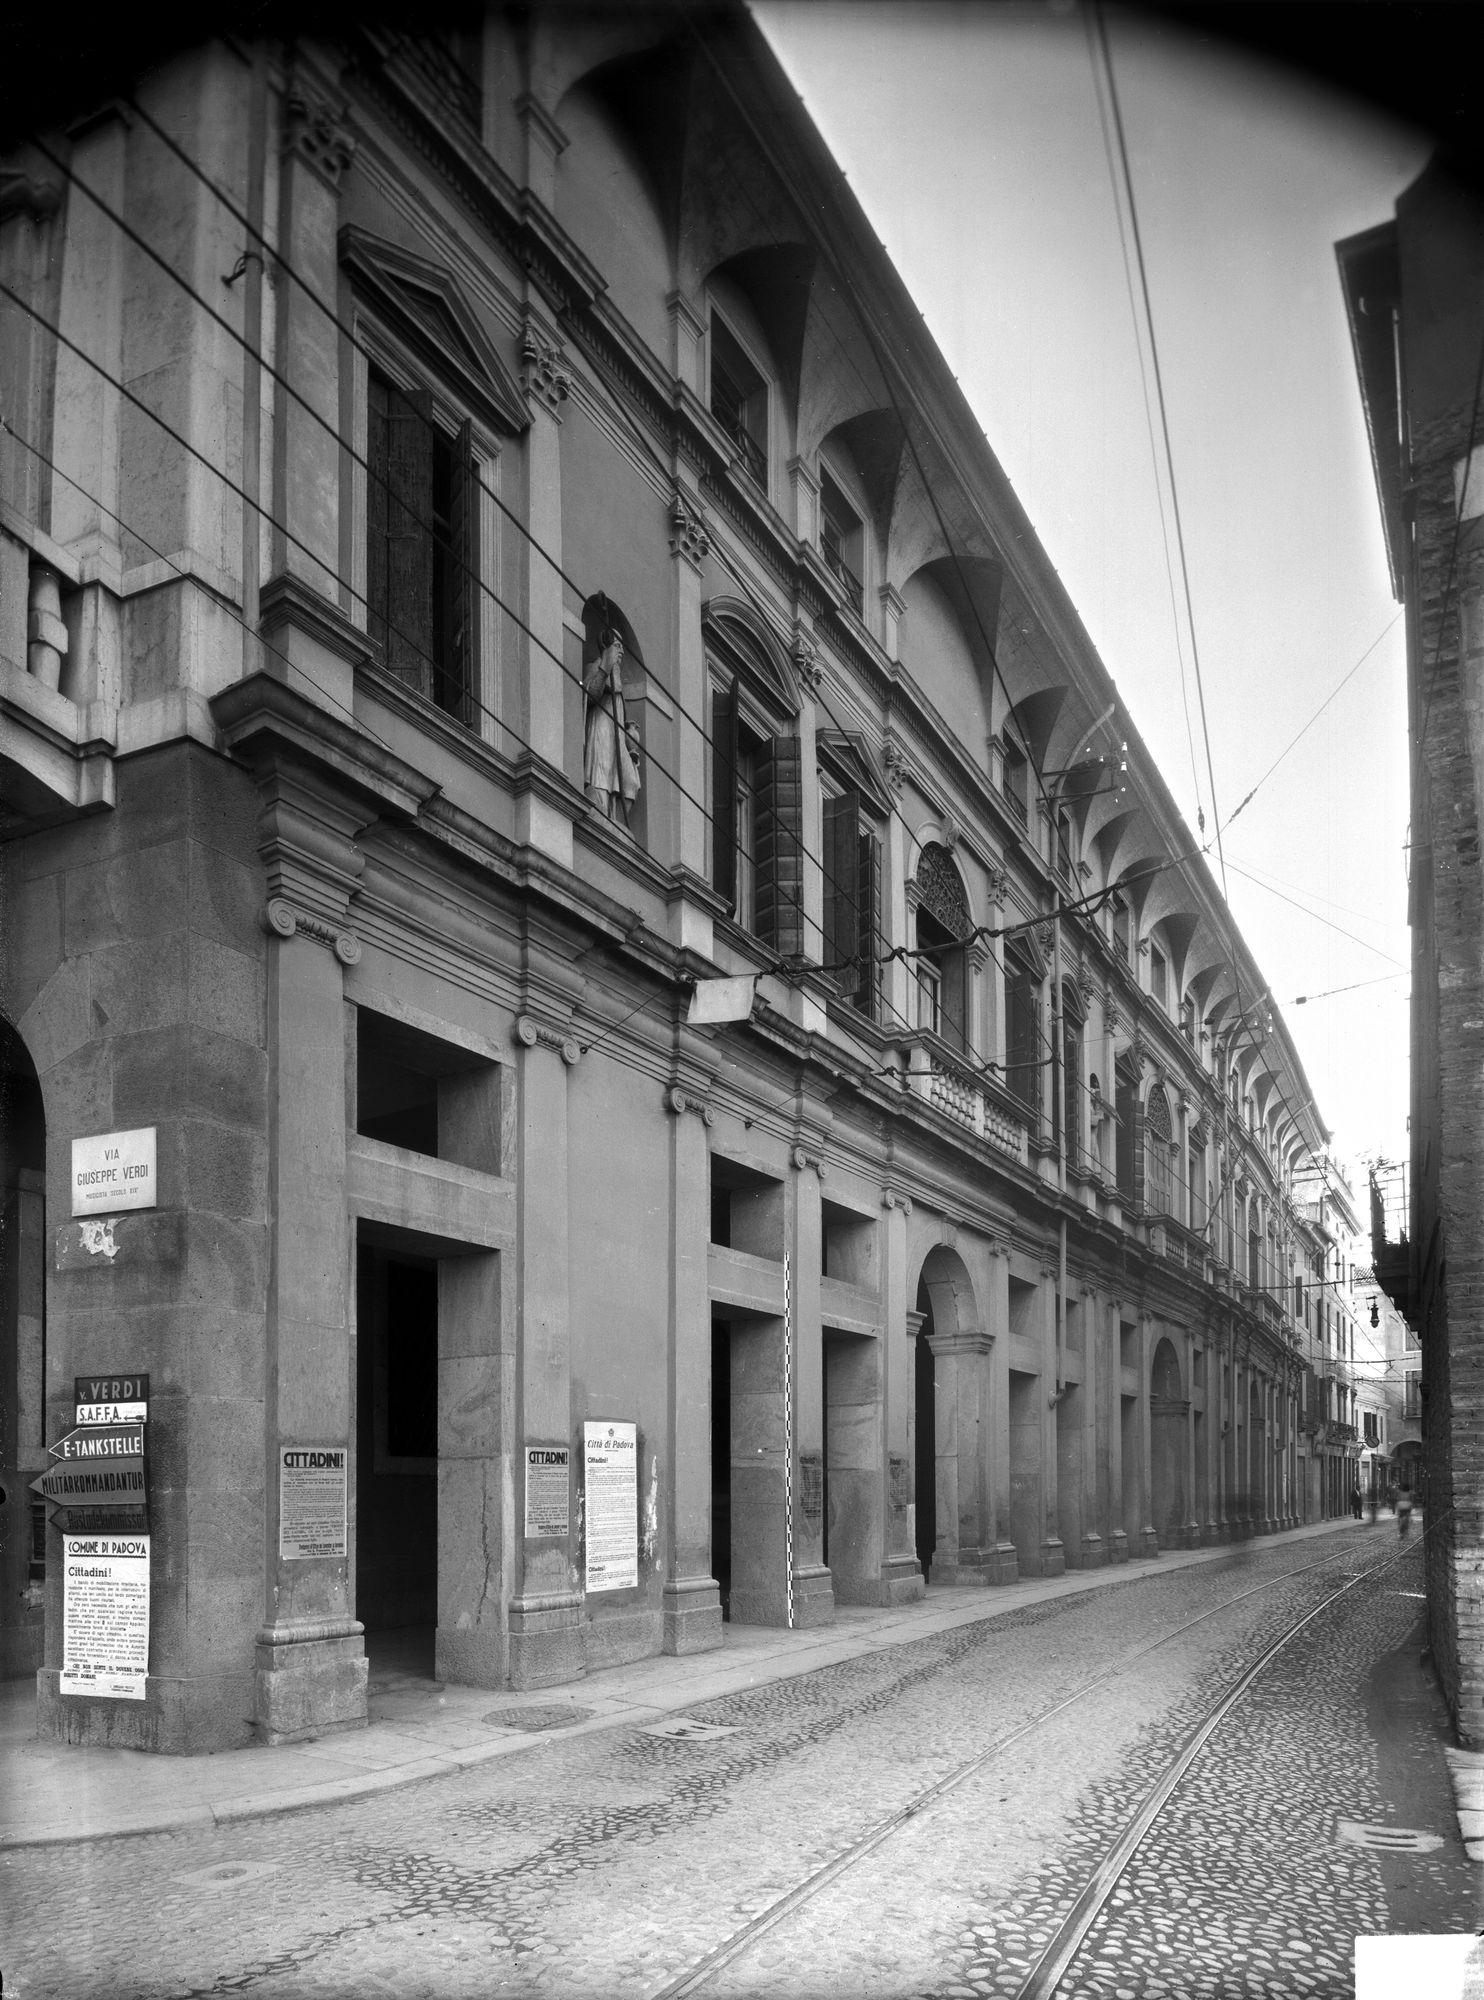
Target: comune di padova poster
{"type": "Point", "coordinates": [105, 1615]}
{"type": "Point", "coordinates": [611, 1482]}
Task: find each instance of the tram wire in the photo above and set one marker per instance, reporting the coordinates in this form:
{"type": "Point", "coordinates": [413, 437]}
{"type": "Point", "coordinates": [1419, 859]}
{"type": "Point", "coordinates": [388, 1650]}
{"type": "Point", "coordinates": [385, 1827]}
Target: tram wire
{"type": "Point", "coordinates": [804, 1892]}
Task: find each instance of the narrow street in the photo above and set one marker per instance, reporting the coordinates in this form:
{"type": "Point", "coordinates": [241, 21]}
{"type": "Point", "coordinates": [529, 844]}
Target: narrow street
{"type": "Point", "coordinates": [635, 1861]}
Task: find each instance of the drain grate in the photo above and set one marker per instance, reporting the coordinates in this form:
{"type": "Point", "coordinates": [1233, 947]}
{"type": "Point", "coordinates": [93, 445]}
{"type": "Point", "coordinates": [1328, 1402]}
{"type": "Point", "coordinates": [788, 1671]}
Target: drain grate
{"type": "Point", "coordinates": [225, 1874]}
{"type": "Point", "coordinates": [1388, 1839]}
{"type": "Point", "coordinates": [560, 1716]}
{"type": "Point", "coordinates": [686, 1729]}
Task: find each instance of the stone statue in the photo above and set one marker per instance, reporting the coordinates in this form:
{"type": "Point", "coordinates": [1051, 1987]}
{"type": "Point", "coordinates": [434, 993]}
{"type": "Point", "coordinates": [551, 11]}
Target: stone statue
{"type": "Point", "coordinates": [610, 748]}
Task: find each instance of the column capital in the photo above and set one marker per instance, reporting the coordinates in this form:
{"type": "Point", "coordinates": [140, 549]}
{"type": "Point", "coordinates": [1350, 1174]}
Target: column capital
{"type": "Point", "coordinates": [544, 372]}
{"type": "Point", "coordinates": [531, 1034]}
{"type": "Point", "coordinates": [315, 128]}
{"type": "Point", "coordinates": [688, 533]}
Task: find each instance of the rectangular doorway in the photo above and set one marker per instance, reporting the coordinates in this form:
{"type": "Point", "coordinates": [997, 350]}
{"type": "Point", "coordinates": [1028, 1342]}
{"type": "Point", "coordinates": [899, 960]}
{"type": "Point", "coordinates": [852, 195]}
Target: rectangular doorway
{"type": "Point", "coordinates": [396, 1512]}
{"type": "Point", "coordinates": [721, 1461]}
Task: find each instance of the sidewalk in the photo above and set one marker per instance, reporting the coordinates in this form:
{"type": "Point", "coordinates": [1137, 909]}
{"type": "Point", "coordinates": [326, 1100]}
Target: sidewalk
{"type": "Point", "coordinates": [54, 1792]}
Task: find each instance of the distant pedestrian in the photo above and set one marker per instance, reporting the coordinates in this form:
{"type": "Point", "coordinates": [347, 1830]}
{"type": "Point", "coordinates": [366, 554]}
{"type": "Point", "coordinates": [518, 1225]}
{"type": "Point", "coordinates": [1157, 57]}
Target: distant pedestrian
{"type": "Point", "coordinates": [1374, 1503]}
{"type": "Point", "coordinates": [1403, 1513]}
{"type": "Point", "coordinates": [1355, 1500]}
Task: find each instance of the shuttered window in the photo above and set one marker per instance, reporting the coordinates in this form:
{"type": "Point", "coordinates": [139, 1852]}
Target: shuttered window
{"type": "Point", "coordinates": [757, 845]}
{"type": "Point", "coordinates": [422, 548]}
{"type": "Point", "coordinates": [1023, 1030]}
{"type": "Point", "coordinates": [852, 901]}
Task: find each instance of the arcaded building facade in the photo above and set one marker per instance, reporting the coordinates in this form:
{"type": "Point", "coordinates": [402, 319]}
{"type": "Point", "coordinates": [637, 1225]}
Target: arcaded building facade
{"type": "Point", "coordinates": [490, 550]}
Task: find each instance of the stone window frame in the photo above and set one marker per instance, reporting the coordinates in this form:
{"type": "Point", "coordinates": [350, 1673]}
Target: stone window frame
{"type": "Point", "coordinates": [376, 344]}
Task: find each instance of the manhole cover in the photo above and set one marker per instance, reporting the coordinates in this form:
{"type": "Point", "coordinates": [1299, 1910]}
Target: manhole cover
{"type": "Point", "coordinates": [1388, 1839]}
{"type": "Point", "coordinates": [226, 1874]}
{"type": "Point", "coordinates": [532, 1719]}
{"type": "Point", "coordinates": [686, 1729]}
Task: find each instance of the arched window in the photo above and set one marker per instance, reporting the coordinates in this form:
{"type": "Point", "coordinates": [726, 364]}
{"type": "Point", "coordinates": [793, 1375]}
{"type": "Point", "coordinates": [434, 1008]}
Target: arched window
{"type": "Point", "coordinates": [942, 963]}
{"type": "Point", "coordinates": [1159, 1188]}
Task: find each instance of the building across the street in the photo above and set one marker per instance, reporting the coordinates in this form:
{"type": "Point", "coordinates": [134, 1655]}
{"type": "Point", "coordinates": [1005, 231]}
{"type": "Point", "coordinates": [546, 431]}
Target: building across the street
{"type": "Point", "coordinates": [1412, 288]}
{"type": "Point", "coordinates": [607, 1024]}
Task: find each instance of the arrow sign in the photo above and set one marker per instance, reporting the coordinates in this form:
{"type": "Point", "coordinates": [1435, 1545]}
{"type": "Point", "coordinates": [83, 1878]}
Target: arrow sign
{"type": "Point", "coordinates": [96, 1441]}
{"type": "Point", "coordinates": [113, 1482]}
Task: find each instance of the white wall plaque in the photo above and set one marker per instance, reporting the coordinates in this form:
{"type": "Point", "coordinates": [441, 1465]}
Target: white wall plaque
{"type": "Point", "coordinates": [311, 1500]}
{"type": "Point", "coordinates": [113, 1170]}
{"type": "Point", "coordinates": [105, 1615]}
{"type": "Point", "coordinates": [611, 1466]}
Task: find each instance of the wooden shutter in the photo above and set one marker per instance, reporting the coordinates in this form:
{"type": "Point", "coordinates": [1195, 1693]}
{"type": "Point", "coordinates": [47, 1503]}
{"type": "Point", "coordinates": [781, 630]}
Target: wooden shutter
{"type": "Point", "coordinates": [409, 541]}
{"type": "Point", "coordinates": [868, 986]}
{"type": "Point", "coordinates": [460, 694]}
{"type": "Point", "coordinates": [378, 471]}
{"type": "Point", "coordinates": [1022, 1075]}
{"type": "Point", "coordinates": [842, 889]}
{"type": "Point", "coordinates": [954, 968]}
{"type": "Point", "coordinates": [780, 856]}
{"type": "Point", "coordinates": [724, 793]}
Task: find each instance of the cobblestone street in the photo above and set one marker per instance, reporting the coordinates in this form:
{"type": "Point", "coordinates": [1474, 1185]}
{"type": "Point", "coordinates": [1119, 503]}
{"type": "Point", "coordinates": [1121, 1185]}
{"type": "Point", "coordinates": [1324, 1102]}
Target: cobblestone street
{"type": "Point", "coordinates": [615, 1863]}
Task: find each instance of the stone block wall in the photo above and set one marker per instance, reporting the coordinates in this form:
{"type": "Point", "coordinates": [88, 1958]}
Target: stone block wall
{"type": "Point", "coordinates": [137, 984]}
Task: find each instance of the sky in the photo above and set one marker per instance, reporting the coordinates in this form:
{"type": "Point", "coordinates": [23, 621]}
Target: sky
{"type": "Point", "coordinates": [972, 137]}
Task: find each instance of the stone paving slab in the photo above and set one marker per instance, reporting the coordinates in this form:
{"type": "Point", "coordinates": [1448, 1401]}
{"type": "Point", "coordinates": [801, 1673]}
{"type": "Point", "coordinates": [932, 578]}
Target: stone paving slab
{"type": "Point", "coordinates": [1466, 1768]}
{"type": "Point", "coordinates": [54, 1792]}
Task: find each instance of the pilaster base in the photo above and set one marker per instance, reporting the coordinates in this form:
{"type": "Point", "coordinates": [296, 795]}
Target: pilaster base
{"type": "Point", "coordinates": [546, 1640]}
{"type": "Point", "coordinates": [814, 1597]}
{"type": "Point", "coordinates": [1053, 1556]}
{"type": "Point", "coordinates": [178, 1717]}
{"type": "Point", "coordinates": [1118, 1546]}
{"type": "Point", "coordinates": [477, 1659]}
{"type": "Point", "coordinates": [1193, 1536]}
{"type": "Point", "coordinates": [692, 1615]}
{"type": "Point", "coordinates": [957, 1567]}
{"type": "Point", "coordinates": [1093, 1553]}
{"type": "Point", "coordinates": [309, 1680]}
{"type": "Point", "coordinates": [1006, 1567]}
{"type": "Point", "coordinates": [1210, 1534]}
{"type": "Point", "coordinates": [902, 1581]}
{"type": "Point", "coordinates": [1148, 1542]}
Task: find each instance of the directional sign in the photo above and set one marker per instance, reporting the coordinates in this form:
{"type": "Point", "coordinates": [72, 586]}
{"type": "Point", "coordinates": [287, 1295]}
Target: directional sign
{"type": "Point", "coordinates": [115, 1482]}
{"type": "Point", "coordinates": [95, 1441]}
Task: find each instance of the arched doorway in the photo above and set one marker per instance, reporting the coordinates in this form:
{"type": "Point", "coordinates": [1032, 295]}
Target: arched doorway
{"type": "Point", "coordinates": [22, 1353]}
{"type": "Point", "coordinates": [950, 1423]}
{"type": "Point", "coordinates": [1168, 1411]}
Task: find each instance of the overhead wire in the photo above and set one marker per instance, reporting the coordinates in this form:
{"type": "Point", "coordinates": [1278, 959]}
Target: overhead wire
{"type": "Point", "coordinates": [282, 263]}
{"type": "Point", "coordinates": [1164, 531]}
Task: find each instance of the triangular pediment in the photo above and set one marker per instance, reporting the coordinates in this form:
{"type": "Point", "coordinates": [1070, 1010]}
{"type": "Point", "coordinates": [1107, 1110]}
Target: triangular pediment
{"type": "Point", "coordinates": [847, 756]}
{"type": "Point", "coordinates": [425, 305]}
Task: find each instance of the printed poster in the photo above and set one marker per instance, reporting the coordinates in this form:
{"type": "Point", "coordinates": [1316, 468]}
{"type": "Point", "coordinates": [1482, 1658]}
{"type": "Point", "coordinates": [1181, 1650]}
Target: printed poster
{"type": "Point", "coordinates": [547, 1486]}
{"type": "Point", "coordinates": [311, 1501]}
{"type": "Point", "coordinates": [611, 1466]}
{"type": "Point", "coordinates": [105, 1615]}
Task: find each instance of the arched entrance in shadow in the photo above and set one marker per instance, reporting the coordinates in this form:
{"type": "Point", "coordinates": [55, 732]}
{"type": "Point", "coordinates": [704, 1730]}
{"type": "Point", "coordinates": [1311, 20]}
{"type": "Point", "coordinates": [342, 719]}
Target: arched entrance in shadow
{"type": "Point", "coordinates": [950, 1412]}
{"type": "Point", "coordinates": [22, 1353]}
{"type": "Point", "coordinates": [1168, 1410]}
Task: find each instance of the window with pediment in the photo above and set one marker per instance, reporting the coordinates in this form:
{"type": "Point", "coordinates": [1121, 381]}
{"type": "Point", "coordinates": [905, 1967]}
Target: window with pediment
{"type": "Point", "coordinates": [757, 788]}
{"type": "Point", "coordinates": [434, 401]}
{"type": "Point", "coordinates": [853, 808]}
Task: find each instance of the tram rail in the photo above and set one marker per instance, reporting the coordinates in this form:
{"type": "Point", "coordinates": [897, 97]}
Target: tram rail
{"type": "Point", "coordinates": [1050, 1967]}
